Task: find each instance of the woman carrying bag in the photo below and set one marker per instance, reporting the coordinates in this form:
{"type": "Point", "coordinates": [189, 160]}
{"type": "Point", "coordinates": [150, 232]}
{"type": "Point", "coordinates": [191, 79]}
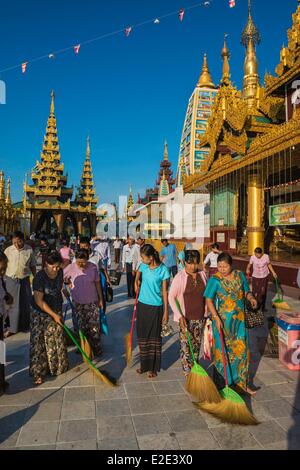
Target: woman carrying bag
{"type": "Point", "coordinates": [226, 293]}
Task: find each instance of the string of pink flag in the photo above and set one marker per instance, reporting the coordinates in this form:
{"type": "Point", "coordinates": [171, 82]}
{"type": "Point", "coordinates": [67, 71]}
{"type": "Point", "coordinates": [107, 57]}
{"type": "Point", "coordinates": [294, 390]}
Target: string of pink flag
{"type": "Point", "coordinates": [181, 14]}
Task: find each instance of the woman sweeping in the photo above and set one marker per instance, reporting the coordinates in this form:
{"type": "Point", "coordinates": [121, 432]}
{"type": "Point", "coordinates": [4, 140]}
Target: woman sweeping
{"type": "Point", "coordinates": [262, 267]}
{"type": "Point", "coordinates": [84, 281]}
{"type": "Point", "coordinates": [48, 349]}
{"type": "Point", "coordinates": [225, 294]}
{"type": "Point", "coordinates": [152, 309]}
{"type": "Point", "coordinates": [188, 288]}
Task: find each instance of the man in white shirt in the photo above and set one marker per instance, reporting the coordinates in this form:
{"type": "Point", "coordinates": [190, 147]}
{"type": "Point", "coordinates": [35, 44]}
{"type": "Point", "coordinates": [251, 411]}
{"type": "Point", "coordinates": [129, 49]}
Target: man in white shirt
{"type": "Point", "coordinates": [211, 260]}
{"type": "Point", "coordinates": [139, 245]}
{"type": "Point", "coordinates": [21, 264]}
{"type": "Point", "coordinates": [104, 251]}
{"type": "Point", "coordinates": [117, 247]}
{"type": "Point", "coordinates": [129, 264]}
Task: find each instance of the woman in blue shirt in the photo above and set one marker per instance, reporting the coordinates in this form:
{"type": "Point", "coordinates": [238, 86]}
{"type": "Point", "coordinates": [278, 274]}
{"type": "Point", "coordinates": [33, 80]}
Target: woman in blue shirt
{"type": "Point", "coordinates": [152, 309]}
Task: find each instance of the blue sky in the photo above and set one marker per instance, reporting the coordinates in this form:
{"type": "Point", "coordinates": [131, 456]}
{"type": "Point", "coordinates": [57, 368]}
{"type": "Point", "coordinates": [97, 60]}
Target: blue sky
{"type": "Point", "coordinates": [129, 93]}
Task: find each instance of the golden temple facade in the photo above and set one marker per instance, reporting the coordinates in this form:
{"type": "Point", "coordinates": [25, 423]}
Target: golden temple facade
{"type": "Point", "coordinates": [252, 168]}
{"type": "Point", "coordinates": [47, 202]}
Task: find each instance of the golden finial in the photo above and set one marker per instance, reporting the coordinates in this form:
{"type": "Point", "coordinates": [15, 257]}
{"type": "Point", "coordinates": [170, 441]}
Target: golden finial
{"type": "Point", "coordinates": [166, 151]}
{"type": "Point", "coordinates": [226, 67]}
{"type": "Point", "coordinates": [52, 102]}
{"type": "Point", "coordinates": [250, 31]}
{"type": "Point", "coordinates": [205, 79]}
{"type": "Point", "coordinates": [88, 147]}
{"type": "Point", "coordinates": [8, 196]}
{"type": "Point", "coordinates": [2, 186]}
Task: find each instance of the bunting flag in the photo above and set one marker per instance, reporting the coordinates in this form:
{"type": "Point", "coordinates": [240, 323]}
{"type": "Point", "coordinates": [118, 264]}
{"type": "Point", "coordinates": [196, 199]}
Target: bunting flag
{"type": "Point", "coordinates": [231, 3]}
{"type": "Point", "coordinates": [181, 14]}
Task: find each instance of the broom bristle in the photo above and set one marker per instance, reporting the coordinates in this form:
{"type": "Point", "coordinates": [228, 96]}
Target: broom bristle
{"type": "Point", "coordinates": [128, 349]}
{"type": "Point", "coordinates": [104, 378]}
{"type": "Point", "coordinates": [229, 412]}
{"type": "Point", "coordinates": [202, 388]}
{"type": "Point", "coordinates": [85, 346]}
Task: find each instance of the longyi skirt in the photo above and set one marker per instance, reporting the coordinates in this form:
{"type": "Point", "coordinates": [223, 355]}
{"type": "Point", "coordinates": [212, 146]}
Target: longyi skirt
{"type": "Point", "coordinates": [149, 326]}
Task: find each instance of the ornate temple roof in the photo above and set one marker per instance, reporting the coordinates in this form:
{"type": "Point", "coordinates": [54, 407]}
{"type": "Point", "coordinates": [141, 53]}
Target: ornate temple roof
{"type": "Point", "coordinates": [164, 187]}
{"type": "Point", "coordinates": [48, 176]}
{"type": "Point", "coordinates": [250, 125]}
{"type": "Point", "coordinates": [289, 66]}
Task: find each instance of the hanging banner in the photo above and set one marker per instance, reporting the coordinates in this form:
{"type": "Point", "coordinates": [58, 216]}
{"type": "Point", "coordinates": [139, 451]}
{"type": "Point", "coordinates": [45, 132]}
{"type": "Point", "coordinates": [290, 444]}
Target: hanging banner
{"type": "Point", "coordinates": [285, 214]}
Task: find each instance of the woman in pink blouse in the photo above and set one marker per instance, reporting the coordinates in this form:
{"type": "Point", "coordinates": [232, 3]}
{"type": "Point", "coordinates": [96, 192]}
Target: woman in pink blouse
{"type": "Point", "coordinates": [262, 267]}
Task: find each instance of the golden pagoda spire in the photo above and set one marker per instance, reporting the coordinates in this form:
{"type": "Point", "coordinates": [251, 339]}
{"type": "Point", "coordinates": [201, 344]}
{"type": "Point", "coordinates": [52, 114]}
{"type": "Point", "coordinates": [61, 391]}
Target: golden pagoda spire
{"type": "Point", "coordinates": [205, 80]}
{"type": "Point", "coordinates": [2, 186]}
{"type": "Point", "coordinates": [166, 151]}
{"type": "Point", "coordinates": [130, 202]}
{"type": "Point", "coordinates": [87, 192]}
{"type": "Point", "coordinates": [52, 107]}
{"type": "Point", "coordinates": [226, 67]}
{"type": "Point", "coordinates": [88, 148]}
{"type": "Point", "coordinates": [250, 38]}
{"type": "Point", "coordinates": [8, 196]}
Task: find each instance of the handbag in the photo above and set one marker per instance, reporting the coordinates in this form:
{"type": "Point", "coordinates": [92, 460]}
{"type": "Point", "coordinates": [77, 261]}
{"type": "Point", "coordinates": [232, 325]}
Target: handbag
{"type": "Point", "coordinates": [115, 277]}
{"type": "Point", "coordinates": [109, 294]}
{"type": "Point", "coordinates": [103, 322]}
{"type": "Point", "coordinates": [254, 317]}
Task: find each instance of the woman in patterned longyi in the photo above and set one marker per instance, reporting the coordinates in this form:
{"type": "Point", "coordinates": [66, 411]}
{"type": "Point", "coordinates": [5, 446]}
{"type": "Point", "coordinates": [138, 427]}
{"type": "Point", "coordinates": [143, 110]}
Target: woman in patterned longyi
{"type": "Point", "coordinates": [48, 349]}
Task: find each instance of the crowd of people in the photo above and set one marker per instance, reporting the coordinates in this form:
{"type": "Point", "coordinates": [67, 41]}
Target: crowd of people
{"type": "Point", "coordinates": [78, 271]}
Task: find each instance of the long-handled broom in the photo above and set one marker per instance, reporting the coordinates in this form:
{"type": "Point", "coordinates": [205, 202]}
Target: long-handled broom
{"type": "Point", "coordinates": [86, 357]}
{"type": "Point", "coordinates": [129, 338]}
{"type": "Point", "coordinates": [278, 301]}
{"type": "Point", "coordinates": [232, 408]}
{"type": "Point", "coordinates": [198, 383]}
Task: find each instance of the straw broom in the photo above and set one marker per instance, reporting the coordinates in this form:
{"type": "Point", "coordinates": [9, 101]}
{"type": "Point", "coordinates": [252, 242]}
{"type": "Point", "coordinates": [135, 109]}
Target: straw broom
{"type": "Point", "coordinates": [129, 338]}
{"type": "Point", "coordinates": [278, 302]}
{"type": "Point", "coordinates": [232, 408]}
{"type": "Point", "coordinates": [198, 383]}
{"type": "Point", "coordinates": [85, 355]}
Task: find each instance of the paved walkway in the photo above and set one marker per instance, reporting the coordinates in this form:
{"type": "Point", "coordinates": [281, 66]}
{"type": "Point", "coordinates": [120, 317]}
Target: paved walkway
{"type": "Point", "coordinates": [76, 411]}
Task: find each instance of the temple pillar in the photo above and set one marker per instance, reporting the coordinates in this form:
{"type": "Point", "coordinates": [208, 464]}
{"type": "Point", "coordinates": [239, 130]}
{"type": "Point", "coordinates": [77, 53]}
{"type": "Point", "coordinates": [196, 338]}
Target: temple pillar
{"type": "Point", "coordinates": [79, 225]}
{"type": "Point", "coordinates": [255, 230]}
{"type": "Point", "coordinates": [59, 220]}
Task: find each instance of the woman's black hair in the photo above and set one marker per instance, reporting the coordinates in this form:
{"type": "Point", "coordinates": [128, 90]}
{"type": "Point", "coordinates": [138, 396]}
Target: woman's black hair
{"type": "Point", "coordinates": [84, 240]}
{"type": "Point", "coordinates": [216, 246]}
{"type": "Point", "coordinates": [192, 256]}
{"type": "Point", "coordinates": [82, 254]}
{"type": "Point", "coordinates": [258, 250]}
{"type": "Point", "coordinates": [53, 257]}
{"type": "Point", "coordinates": [149, 250]}
{"type": "Point", "coordinates": [226, 258]}
{"type": "Point", "coordinates": [3, 257]}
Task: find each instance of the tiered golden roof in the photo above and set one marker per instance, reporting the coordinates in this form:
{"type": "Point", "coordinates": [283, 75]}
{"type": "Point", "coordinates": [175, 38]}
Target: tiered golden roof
{"type": "Point", "coordinates": [289, 65]}
{"type": "Point", "coordinates": [47, 176]}
{"type": "Point", "coordinates": [87, 194]}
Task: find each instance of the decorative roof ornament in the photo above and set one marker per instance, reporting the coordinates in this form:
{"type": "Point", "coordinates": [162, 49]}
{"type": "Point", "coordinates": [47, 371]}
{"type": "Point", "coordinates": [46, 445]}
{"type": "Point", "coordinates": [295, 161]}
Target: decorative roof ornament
{"type": "Point", "coordinates": [250, 31]}
{"type": "Point", "coordinates": [226, 67]}
{"type": "Point", "coordinates": [205, 79]}
{"type": "Point", "coordinates": [166, 151]}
